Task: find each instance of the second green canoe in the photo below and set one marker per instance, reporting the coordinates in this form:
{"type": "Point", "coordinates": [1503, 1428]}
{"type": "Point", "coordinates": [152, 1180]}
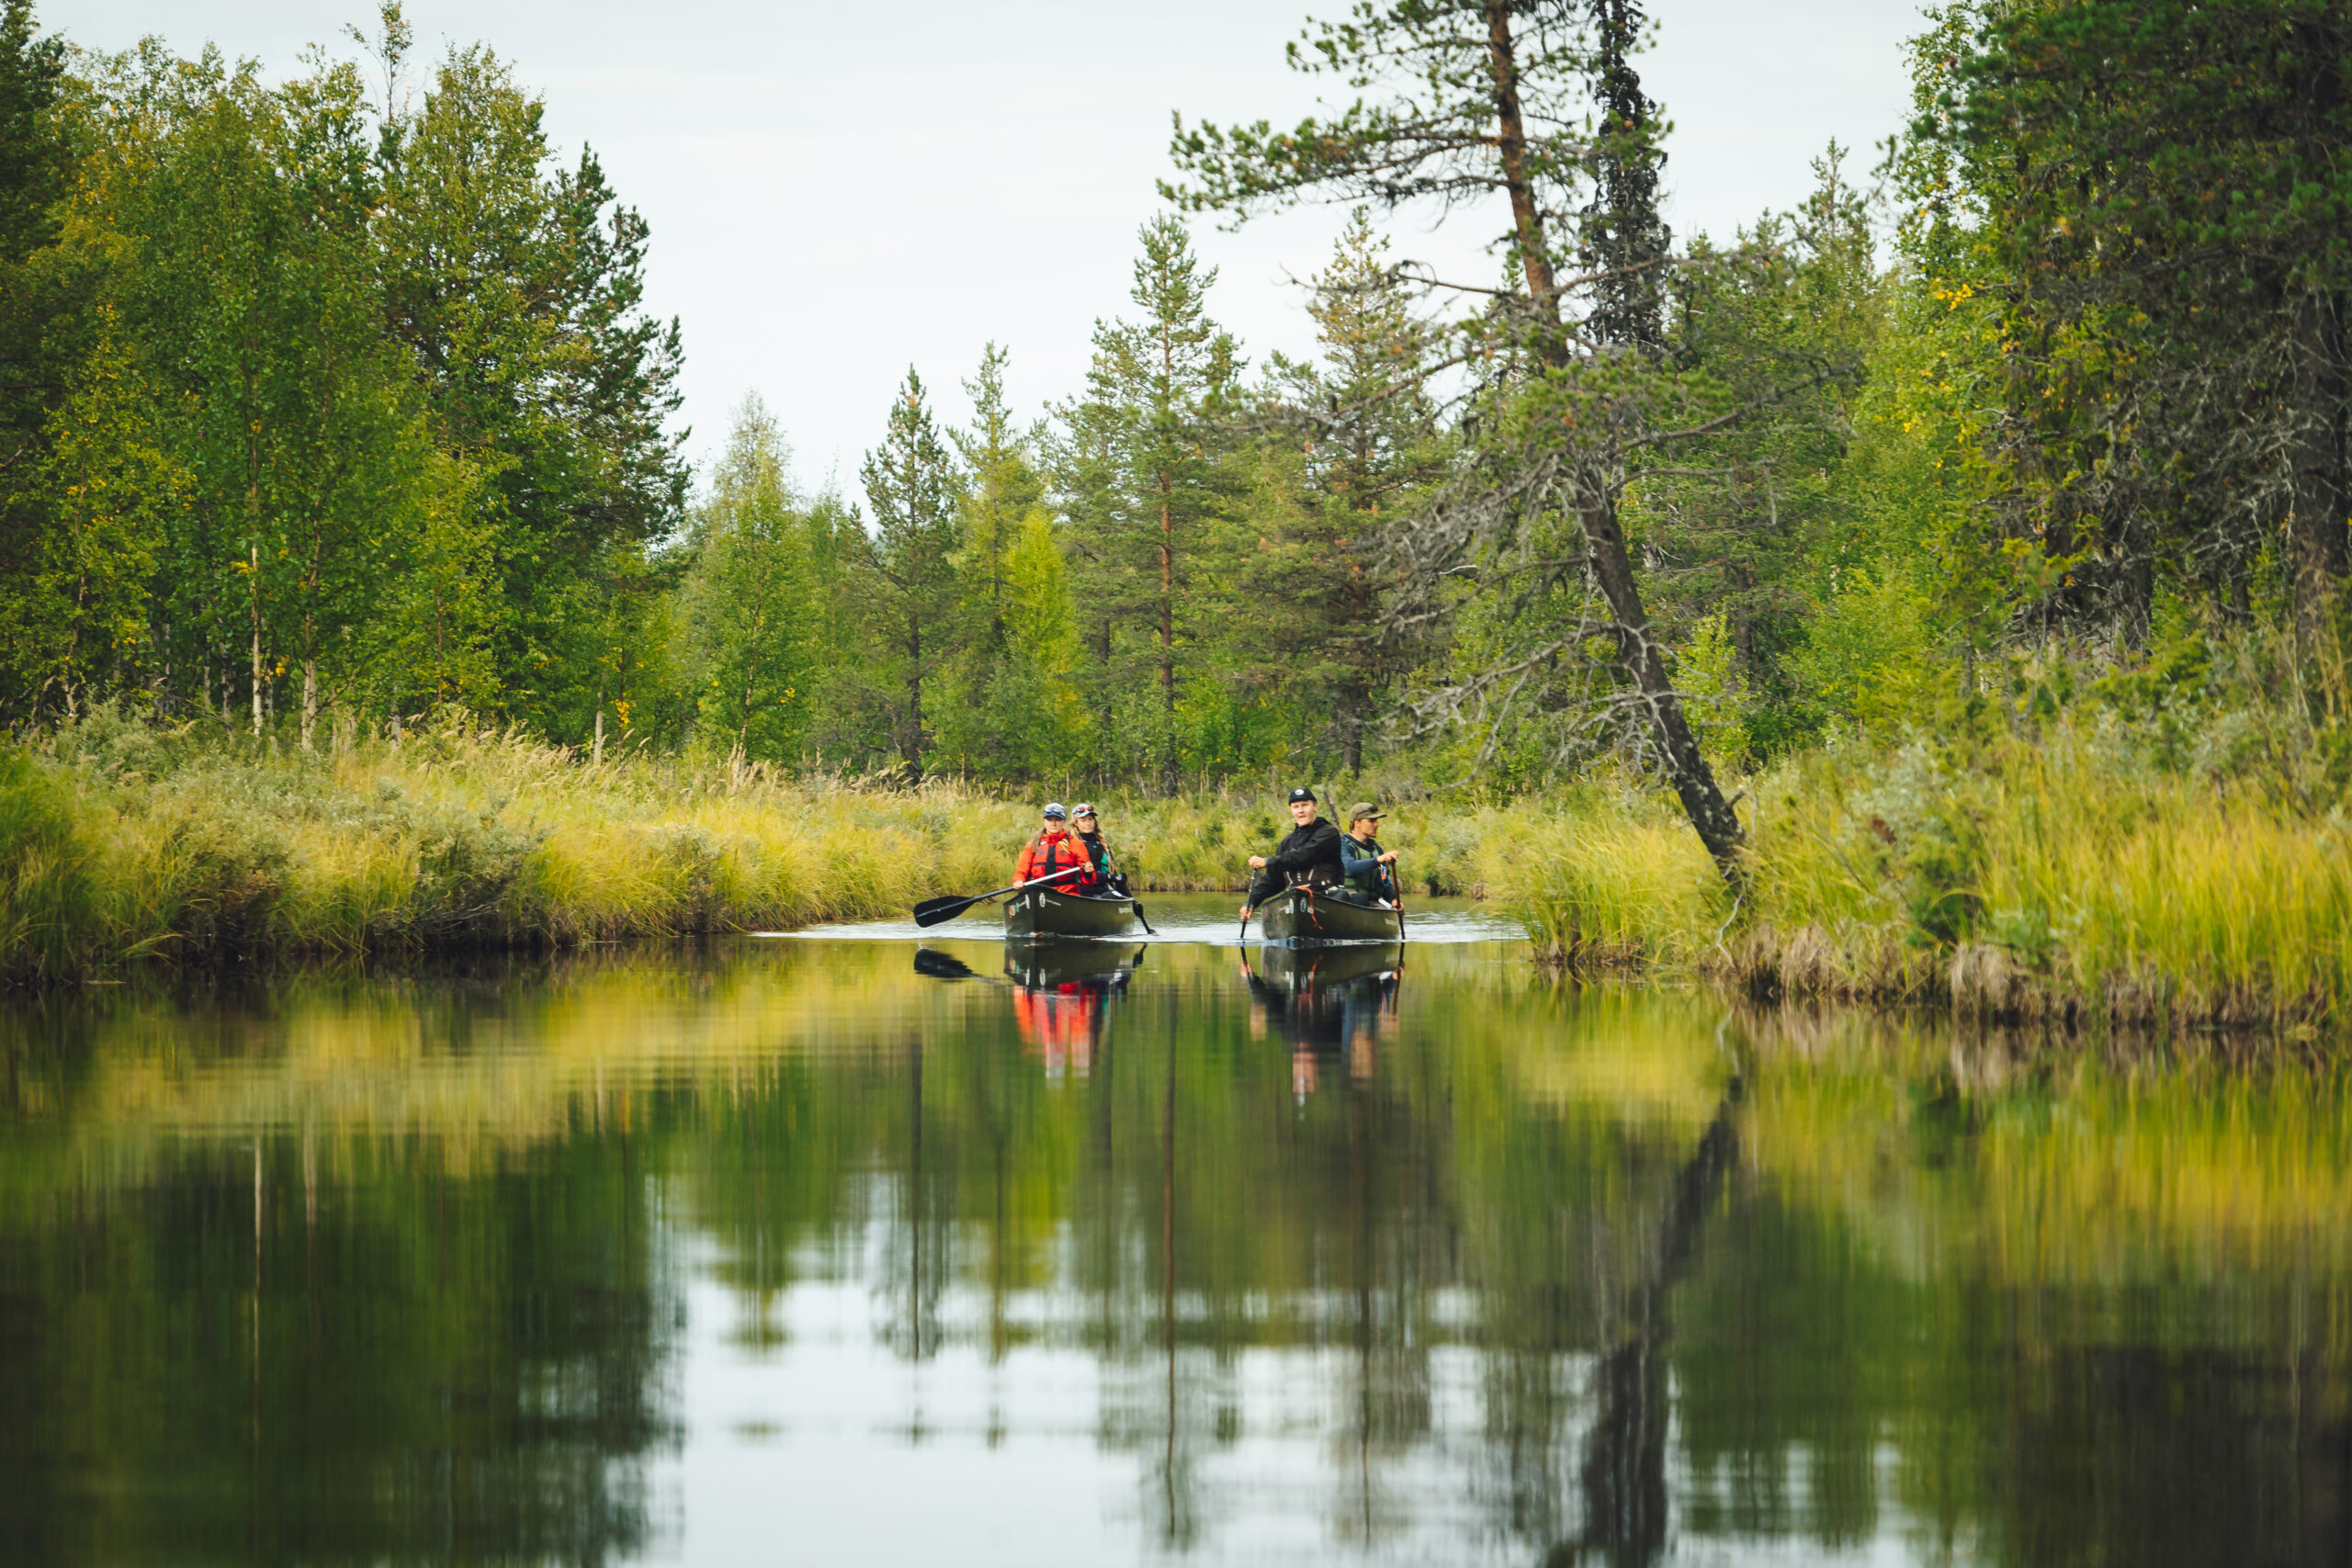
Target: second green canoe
{"type": "Point", "coordinates": [1296, 914]}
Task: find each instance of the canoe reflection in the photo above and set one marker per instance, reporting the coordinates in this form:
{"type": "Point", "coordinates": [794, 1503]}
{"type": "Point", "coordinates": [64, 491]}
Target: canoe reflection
{"type": "Point", "coordinates": [1328, 1003]}
{"type": "Point", "coordinates": [1062, 997]}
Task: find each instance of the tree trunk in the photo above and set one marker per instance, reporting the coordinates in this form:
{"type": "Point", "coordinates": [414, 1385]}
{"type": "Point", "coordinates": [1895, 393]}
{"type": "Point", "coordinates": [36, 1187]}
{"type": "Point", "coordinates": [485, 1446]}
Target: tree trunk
{"type": "Point", "coordinates": [2317, 450]}
{"type": "Point", "coordinates": [2317, 454]}
{"type": "Point", "coordinates": [1612, 568]}
{"type": "Point", "coordinates": [914, 704]}
{"type": "Point", "coordinates": [253, 597]}
{"type": "Point", "coordinates": [1678, 750]}
{"type": "Point", "coordinates": [1353, 697]}
{"type": "Point", "coordinates": [1167, 630]}
{"type": "Point", "coordinates": [596, 748]}
{"type": "Point", "coordinates": [310, 698]}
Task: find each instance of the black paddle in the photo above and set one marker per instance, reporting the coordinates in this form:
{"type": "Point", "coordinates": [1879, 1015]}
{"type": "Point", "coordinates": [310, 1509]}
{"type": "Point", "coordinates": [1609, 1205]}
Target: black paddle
{"type": "Point", "coordinates": [932, 911]}
{"type": "Point", "coordinates": [941, 965]}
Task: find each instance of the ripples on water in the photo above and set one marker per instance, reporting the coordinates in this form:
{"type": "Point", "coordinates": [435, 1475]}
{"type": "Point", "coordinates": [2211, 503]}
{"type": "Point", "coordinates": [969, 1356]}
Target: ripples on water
{"type": "Point", "coordinates": [863, 1250]}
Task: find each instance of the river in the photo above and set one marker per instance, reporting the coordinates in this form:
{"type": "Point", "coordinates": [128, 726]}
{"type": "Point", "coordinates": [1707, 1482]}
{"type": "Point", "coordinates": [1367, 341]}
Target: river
{"type": "Point", "coordinates": [871, 1245]}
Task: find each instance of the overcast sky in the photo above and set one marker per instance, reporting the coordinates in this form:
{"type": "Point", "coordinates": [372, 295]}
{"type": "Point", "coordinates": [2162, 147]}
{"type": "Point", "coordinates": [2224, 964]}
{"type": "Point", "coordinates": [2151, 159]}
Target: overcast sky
{"type": "Point", "coordinates": [839, 190]}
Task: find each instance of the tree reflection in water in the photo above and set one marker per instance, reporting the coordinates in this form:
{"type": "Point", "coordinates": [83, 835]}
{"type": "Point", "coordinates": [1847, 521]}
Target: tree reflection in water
{"type": "Point", "coordinates": [1367, 1252]}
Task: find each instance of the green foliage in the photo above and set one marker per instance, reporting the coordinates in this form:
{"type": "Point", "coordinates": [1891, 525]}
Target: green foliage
{"type": "Point", "coordinates": [326, 411]}
{"type": "Point", "coordinates": [336, 423]}
{"type": "Point", "coordinates": [911, 597]}
{"type": "Point", "coordinates": [746, 647]}
{"type": "Point", "coordinates": [1148, 479]}
{"type": "Point", "coordinates": [1867, 655]}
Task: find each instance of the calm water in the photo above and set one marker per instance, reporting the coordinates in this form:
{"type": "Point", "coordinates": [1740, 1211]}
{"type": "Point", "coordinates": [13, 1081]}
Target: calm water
{"type": "Point", "coordinates": [852, 1249]}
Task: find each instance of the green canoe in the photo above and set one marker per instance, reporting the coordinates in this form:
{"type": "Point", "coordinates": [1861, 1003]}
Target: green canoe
{"type": "Point", "coordinates": [1297, 916]}
{"type": "Point", "coordinates": [1042, 913]}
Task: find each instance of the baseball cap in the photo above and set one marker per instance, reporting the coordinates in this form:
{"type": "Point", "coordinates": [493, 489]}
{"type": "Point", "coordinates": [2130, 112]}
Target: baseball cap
{"type": "Point", "coordinates": [1361, 809]}
{"type": "Point", "coordinates": [1301, 793]}
{"type": "Point", "coordinates": [1083, 808]}
{"type": "Point", "coordinates": [1053, 808]}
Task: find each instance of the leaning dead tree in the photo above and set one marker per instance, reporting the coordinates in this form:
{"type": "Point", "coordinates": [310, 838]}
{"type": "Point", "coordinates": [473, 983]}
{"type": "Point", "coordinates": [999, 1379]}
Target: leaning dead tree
{"type": "Point", "coordinates": [1528, 108]}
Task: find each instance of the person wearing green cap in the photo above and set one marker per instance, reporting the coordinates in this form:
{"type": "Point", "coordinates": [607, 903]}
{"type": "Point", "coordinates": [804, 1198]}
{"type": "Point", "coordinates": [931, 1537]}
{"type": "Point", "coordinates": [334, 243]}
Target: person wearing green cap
{"type": "Point", "coordinates": [1369, 870]}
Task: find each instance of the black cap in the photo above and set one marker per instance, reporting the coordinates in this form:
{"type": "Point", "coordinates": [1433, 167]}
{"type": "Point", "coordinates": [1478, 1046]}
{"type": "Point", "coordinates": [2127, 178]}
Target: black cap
{"type": "Point", "coordinates": [1301, 793]}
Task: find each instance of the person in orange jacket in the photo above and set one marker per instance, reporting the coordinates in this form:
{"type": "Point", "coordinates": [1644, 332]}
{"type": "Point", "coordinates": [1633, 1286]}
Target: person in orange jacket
{"type": "Point", "coordinates": [1056, 848]}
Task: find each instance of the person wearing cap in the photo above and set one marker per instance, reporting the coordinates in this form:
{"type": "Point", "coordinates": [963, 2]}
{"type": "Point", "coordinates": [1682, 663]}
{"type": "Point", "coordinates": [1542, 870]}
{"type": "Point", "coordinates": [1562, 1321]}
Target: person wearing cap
{"type": "Point", "coordinates": [1308, 853]}
{"type": "Point", "coordinates": [1055, 849]}
{"type": "Point", "coordinates": [1362, 863]}
{"type": "Point", "coordinates": [1089, 828]}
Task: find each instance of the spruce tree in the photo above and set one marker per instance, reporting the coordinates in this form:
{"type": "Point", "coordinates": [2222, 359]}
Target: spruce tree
{"type": "Point", "coordinates": [1010, 716]}
{"type": "Point", "coordinates": [747, 598]}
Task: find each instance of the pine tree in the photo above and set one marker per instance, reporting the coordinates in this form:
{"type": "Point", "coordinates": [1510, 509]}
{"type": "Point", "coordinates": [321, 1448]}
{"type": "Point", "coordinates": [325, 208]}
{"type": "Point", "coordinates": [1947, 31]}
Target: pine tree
{"type": "Point", "coordinates": [1482, 101]}
{"type": "Point", "coordinates": [1360, 434]}
{"type": "Point", "coordinates": [912, 485]}
{"type": "Point", "coordinates": [1147, 464]}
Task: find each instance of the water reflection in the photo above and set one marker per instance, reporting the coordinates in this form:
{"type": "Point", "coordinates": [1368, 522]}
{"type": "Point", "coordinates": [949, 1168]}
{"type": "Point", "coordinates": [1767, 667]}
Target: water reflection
{"type": "Point", "coordinates": [872, 1253]}
{"type": "Point", "coordinates": [1328, 1003]}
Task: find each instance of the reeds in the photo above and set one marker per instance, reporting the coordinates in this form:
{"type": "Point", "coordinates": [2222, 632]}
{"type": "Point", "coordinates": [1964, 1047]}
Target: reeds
{"type": "Point", "coordinates": [2067, 878]}
{"type": "Point", "coordinates": [118, 838]}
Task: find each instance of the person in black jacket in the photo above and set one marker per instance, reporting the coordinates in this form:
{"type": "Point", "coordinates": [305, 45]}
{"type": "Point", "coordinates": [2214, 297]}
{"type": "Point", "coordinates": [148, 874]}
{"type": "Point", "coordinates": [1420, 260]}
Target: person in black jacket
{"type": "Point", "coordinates": [1308, 853]}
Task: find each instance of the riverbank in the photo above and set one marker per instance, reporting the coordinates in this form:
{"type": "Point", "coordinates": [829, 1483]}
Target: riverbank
{"type": "Point", "coordinates": [2070, 876]}
{"type": "Point", "coordinates": [122, 840]}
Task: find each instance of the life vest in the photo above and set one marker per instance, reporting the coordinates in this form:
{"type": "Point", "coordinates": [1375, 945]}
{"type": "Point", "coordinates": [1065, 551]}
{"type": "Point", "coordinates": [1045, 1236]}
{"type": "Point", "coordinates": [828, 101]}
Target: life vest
{"type": "Point", "coordinates": [1050, 852]}
{"type": "Point", "coordinates": [1374, 881]}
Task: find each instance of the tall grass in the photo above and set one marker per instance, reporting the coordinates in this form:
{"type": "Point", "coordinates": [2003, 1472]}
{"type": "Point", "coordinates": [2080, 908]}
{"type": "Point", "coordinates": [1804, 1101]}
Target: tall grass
{"type": "Point", "coordinates": [118, 838]}
{"type": "Point", "coordinates": [2067, 875]}
{"type": "Point", "coordinates": [2070, 872]}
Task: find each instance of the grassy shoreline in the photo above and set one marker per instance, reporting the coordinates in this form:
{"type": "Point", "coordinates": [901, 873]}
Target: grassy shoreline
{"type": "Point", "coordinates": [2068, 878]}
{"type": "Point", "coordinates": [2064, 878]}
{"type": "Point", "coordinates": [120, 840]}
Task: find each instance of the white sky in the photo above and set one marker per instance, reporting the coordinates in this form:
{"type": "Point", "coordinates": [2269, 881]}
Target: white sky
{"type": "Point", "coordinates": [838, 190]}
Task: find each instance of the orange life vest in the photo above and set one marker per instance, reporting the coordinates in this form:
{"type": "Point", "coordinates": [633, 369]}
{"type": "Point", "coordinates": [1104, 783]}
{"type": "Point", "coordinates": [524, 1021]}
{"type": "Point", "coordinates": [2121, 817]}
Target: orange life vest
{"type": "Point", "coordinates": [1050, 852]}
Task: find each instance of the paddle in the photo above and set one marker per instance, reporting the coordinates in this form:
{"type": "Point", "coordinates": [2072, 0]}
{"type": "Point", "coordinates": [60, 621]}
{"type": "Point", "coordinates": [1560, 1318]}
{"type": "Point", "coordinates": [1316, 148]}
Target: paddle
{"type": "Point", "coordinates": [1146, 924]}
{"type": "Point", "coordinates": [932, 911]}
{"type": "Point", "coordinates": [942, 965]}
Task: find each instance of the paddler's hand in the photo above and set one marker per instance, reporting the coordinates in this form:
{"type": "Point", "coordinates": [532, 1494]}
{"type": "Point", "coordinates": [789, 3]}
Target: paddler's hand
{"type": "Point", "coordinates": [1386, 857]}
{"type": "Point", "coordinates": [1245, 914]}
{"type": "Point", "coordinates": [1257, 863]}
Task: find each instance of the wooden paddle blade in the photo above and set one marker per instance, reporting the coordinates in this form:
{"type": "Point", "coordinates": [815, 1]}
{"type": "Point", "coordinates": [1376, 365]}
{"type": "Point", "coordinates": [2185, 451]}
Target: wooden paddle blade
{"type": "Point", "coordinates": [932, 911]}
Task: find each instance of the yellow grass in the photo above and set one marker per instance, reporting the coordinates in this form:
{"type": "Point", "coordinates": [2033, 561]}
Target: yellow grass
{"type": "Point", "coordinates": [119, 839]}
{"type": "Point", "coordinates": [2069, 878]}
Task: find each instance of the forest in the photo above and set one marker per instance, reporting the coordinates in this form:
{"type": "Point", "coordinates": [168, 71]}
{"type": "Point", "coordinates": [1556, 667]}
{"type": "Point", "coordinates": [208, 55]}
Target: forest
{"type": "Point", "coordinates": [1900, 569]}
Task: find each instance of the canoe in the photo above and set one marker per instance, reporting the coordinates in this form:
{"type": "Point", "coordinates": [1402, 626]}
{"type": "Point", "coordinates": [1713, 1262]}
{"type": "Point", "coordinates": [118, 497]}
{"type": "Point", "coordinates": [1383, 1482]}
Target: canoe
{"type": "Point", "coordinates": [1046, 965]}
{"type": "Point", "coordinates": [1043, 912]}
{"type": "Point", "coordinates": [1294, 915]}
{"type": "Point", "coordinates": [1298, 970]}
